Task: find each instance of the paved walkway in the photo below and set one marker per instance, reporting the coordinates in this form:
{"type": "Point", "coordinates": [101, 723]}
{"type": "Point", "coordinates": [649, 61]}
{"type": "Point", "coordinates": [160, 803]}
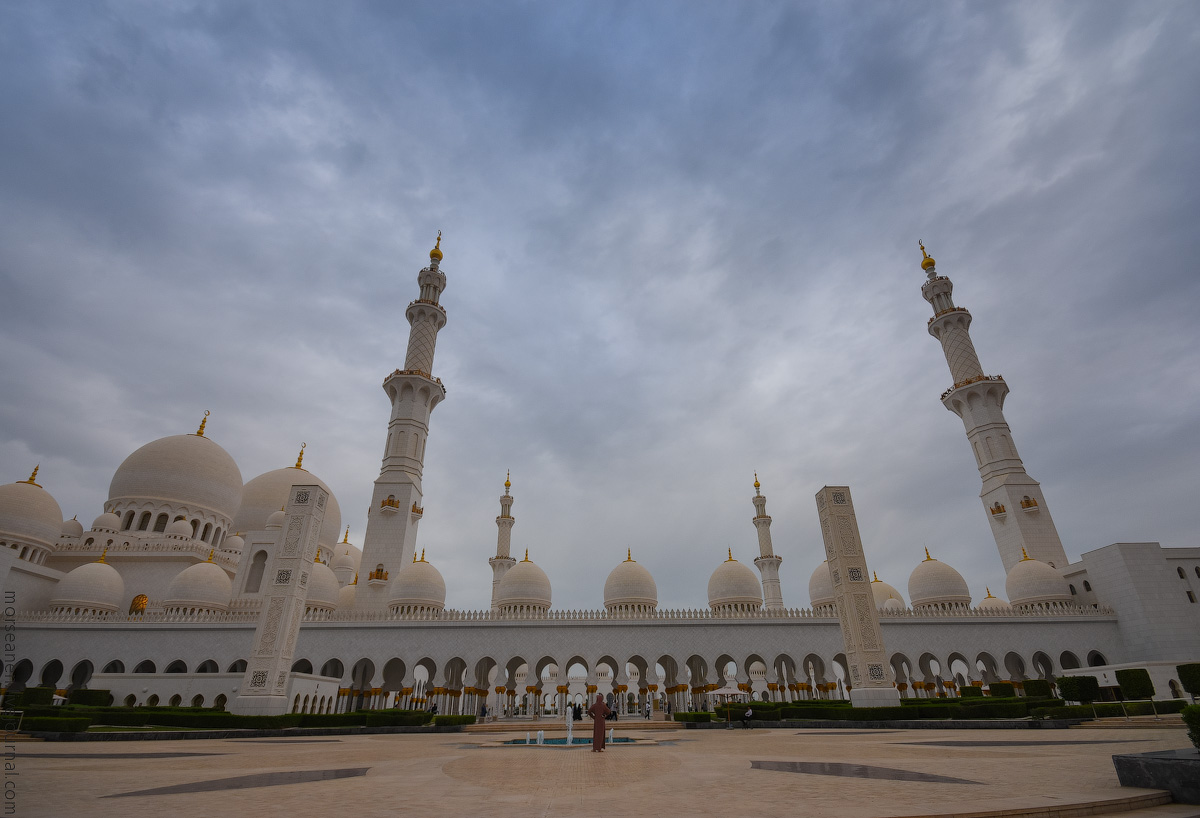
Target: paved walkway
{"type": "Point", "coordinates": [782, 772]}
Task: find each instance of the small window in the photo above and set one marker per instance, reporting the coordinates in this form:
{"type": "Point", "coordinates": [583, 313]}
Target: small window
{"type": "Point", "coordinates": [1073, 591]}
{"type": "Point", "coordinates": [1087, 586]}
{"type": "Point", "coordinates": [1191, 597]}
{"type": "Point", "coordinates": [1198, 570]}
{"type": "Point", "coordinates": [1182, 575]}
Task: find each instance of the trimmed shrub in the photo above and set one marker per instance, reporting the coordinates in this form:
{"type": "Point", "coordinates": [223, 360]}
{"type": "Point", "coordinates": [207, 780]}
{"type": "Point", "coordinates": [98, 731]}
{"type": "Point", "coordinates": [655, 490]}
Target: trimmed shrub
{"type": "Point", "coordinates": [1001, 690]}
{"type": "Point", "coordinates": [1082, 689]}
{"type": "Point", "coordinates": [1108, 709]}
{"type": "Point", "coordinates": [939, 712]}
{"type": "Point", "coordinates": [970, 692]}
{"type": "Point", "coordinates": [356, 719]}
{"type": "Point", "coordinates": [1038, 688]}
{"type": "Point", "coordinates": [1191, 717]}
{"type": "Point", "coordinates": [90, 698]}
{"type": "Point", "coordinates": [757, 713]}
{"type": "Point", "coordinates": [55, 725]}
{"type": "Point", "coordinates": [999, 710]}
{"type": "Point", "coordinates": [688, 716]}
{"type": "Point", "coordinates": [451, 720]}
{"type": "Point", "coordinates": [1189, 677]}
{"type": "Point", "coordinates": [399, 718]}
{"type": "Point", "coordinates": [37, 695]}
{"type": "Point", "coordinates": [1135, 683]}
{"type": "Point", "coordinates": [875, 713]}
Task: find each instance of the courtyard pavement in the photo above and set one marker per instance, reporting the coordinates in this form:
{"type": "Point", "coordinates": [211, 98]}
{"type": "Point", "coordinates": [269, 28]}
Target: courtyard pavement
{"type": "Point", "coordinates": [762, 772]}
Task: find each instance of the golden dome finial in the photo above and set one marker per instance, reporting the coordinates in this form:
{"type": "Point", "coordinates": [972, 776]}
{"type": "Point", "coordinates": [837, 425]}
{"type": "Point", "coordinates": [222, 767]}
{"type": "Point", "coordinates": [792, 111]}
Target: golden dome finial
{"type": "Point", "coordinates": [875, 577]}
{"type": "Point", "coordinates": [927, 263]}
{"type": "Point", "coordinates": [300, 457]}
{"type": "Point", "coordinates": [317, 558]}
{"type": "Point", "coordinates": [103, 554]}
{"type": "Point", "coordinates": [211, 553]}
{"type": "Point", "coordinates": [628, 555]}
{"type": "Point", "coordinates": [927, 557]}
{"type": "Point", "coordinates": [507, 480]}
{"type": "Point", "coordinates": [526, 556]}
{"type": "Point", "coordinates": [436, 253]}
{"type": "Point", "coordinates": [346, 537]}
{"type": "Point", "coordinates": [422, 555]}
{"type": "Point", "coordinates": [756, 483]}
{"type": "Point", "coordinates": [1025, 554]}
{"type": "Point", "coordinates": [414, 557]}
{"type": "Point", "coordinates": [989, 592]}
{"type": "Point", "coordinates": [33, 477]}
{"type": "Point", "coordinates": [730, 552]}
{"type": "Point", "coordinates": [203, 421]}
{"type": "Point", "coordinates": [355, 578]}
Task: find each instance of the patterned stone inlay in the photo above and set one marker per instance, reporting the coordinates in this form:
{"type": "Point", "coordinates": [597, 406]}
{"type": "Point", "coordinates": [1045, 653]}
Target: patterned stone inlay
{"type": "Point", "coordinates": [856, 771]}
{"type": "Point", "coordinates": [244, 782]}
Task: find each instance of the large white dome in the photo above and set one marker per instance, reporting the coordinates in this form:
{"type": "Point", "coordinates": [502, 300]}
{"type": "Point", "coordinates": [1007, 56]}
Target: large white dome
{"type": "Point", "coordinates": [29, 513]}
{"type": "Point", "coordinates": [265, 494]}
{"type": "Point", "coordinates": [204, 586]}
{"type": "Point", "coordinates": [524, 585]}
{"type": "Point", "coordinates": [93, 586]}
{"type": "Point", "coordinates": [820, 586]}
{"type": "Point", "coordinates": [630, 585]}
{"type": "Point", "coordinates": [188, 470]}
{"type": "Point", "coordinates": [883, 592]}
{"type": "Point", "coordinates": [733, 584]}
{"type": "Point", "coordinates": [936, 583]}
{"type": "Point", "coordinates": [420, 585]}
{"type": "Point", "coordinates": [1031, 582]}
{"type": "Point", "coordinates": [323, 588]}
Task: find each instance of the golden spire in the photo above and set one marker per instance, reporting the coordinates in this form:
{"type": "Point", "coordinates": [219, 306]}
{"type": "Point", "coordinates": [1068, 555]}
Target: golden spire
{"type": "Point", "coordinates": [989, 593]}
{"type": "Point", "coordinates": [1025, 554]}
{"type": "Point", "coordinates": [414, 558]}
{"type": "Point", "coordinates": [731, 559]}
{"type": "Point", "coordinates": [876, 577]}
{"type": "Point", "coordinates": [628, 555]}
{"type": "Point", "coordinates": [507, 481]}
{"type": "Point", "coordinates": [928, 262]}
{"type": "Point", "coordinates": [300, 457]}
{"type": "Point", "coordinates": [927, 557]}
{"type": "Point", "coordinates": [422, 555]}
{"type": "Point", "coordinates": [33, 477]}
{"type": "Point", "coordinates": [203, 421]}
{"type": "Point", "coordinates": [211, 553]}
{"type": "Point", "coordinates": [346, 538]}
{"type": "Point", "coordinates": [526, 556]}
{"type": "Point", "coordinates": [355, 578]}
{"type": "Point", "coordinates": [436, 252]}
{"type": "Point", "coordinates": [103, 554]}
{"type": "Point", "coordinates": [756, 484]}
{"type": "Point", "coordinates": [317, 558]}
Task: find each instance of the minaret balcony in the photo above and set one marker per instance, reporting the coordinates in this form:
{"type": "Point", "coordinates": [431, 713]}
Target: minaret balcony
{"type": "Point", "coordinates": [969, 381]}
{"type": "Point", "coordinates": [377, 577]}
{"type": "Point", "coordinates": [998, 511]}
{"type": "Point", "coordinates": [417, 511]}
{"type": "Point", "coordinates": [1029, 504]}
{"type": "Point", "coordinates": [389, 505]}
{"type": "Point", "coordinates": [938, 315]}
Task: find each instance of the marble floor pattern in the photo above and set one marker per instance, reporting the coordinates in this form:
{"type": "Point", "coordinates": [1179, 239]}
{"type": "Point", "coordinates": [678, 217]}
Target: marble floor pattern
{"type": "Point", "coordinates": [708, 772]}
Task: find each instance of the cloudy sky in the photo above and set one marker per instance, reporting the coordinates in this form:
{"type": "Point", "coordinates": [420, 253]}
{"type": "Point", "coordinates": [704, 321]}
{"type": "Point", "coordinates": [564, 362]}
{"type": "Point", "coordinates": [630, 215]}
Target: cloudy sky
{"type": "Point", "coordinates": [681, 244]}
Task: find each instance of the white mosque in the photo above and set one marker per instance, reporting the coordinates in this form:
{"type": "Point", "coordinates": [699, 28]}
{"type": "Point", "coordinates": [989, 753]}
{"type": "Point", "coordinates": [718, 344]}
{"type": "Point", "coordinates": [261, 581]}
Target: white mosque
{"type": "Point", "coordinates": [166, 596]}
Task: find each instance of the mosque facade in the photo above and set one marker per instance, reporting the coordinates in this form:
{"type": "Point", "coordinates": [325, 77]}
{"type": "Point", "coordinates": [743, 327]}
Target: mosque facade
{"type": "Point", "coordinates": [160, 598]}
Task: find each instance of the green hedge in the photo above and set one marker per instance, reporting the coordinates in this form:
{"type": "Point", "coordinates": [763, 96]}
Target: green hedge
{"type": "Point", "coordinates": [398, 718]}
{"type": "Point", "coordinates": [1108, 710]}
{"type": "Point", "coordinates": [55, 725]}
{"type": "Point", "coordinates": [693, 716]}
{"type": "Point", "coordinates": [1083, 689]}
{"type": "Point", "coordinates": [90, 698]}
{"type": "Point", "coordinates": [1135, 683]}
{"type": "Point", "coordinates": [756, 713]}
{"type": "Point", "coordinates": [356, 719]}
{"type": "Point", "coordinates": [450, 721]}
{"type": "Point", "coordinates": [1189, 677]}
{"type": "Point", "coordinates": [970, 692]}
{"type": "Point", "coordinates": [1191, 717]}
{"type": "Point", "coordinates": [37, 695]}
{"type": "Point", "coordinates": [1038, 688]}
{"type": "Point", "coordinates": [1001, 690]}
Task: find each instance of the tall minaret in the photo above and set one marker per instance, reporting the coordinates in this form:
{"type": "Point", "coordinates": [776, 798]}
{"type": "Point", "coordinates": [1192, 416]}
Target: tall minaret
{"type": "Point", "coordinates": [504, 523]}
{"type": "Point", "coordinates": [1012, 499]}
{"type": "Point", "coordinates": [390, 540]}
{"type": "Point", "coordinates": [767, 562]}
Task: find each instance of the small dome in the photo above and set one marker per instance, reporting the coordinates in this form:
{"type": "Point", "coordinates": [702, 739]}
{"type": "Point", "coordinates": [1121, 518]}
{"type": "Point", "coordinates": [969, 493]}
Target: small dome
{"type": "Point", "coordinates": [233, 543]}
{"type": "Point", "coordinates": [524, 585]}
{"type": "Point", "coordinates": [276, 520]}
{"type": "Point", "coordinates": [927, 263]}
{"type": "Point", "coordinates": [323, 590]}
{"type": "Point", "coordinates": [436, 253]}
{"type": "Point", "coordinates": [188, 470]}
{"type": "Point", "coordinates": [883, 592]}
{"type": "Point", "coordinates": [107, 522]}
{"type": "Point", "coordinates": [344, 558]}
{"type": "Point", "coordinates": [1031, 582]}
{"type": "Point", "coordinates": [93, 586]}
{"type": "Point", "coordinates": [992, 602]}
{"type": "Point", "coordinates": [936, 583]}
{"type": "Point", "coordinates": [733, 584]}
{"type": "Point", "coordinates": [820, 586]}
{"type": "Point", "coordinates": [346, 596]}
{"type": "Point", "coordinates": [263, 496]}
{"type": "Point", "coordinates": [28, 512]}
{"type": "Point", "coordinates": [203, 585]}
{"type": "Point", "coordinates": [892, 604]}
{"type": "Point", "coordinates": [179, 528]}
{"type": "Point", "coordinates": [420, 585]}
{"type": "Point", "coordinates": [630, 585]}
{"type": "Point", "coordinates": [71, 528]}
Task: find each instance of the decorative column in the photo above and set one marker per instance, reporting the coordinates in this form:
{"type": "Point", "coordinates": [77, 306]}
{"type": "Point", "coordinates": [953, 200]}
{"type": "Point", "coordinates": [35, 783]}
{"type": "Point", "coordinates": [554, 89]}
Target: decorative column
{"type": "Point", "coordinates": [870, 676]}
{"type": "Point", "coordinates": [504, 523]}
{"type": "Point", "coordinates": [265, 686]}
{"type": "Point", "coordinates": [396, 503]}
{"type": "Point", "coordinates": [1013, 501]}
{"type": "Point", "coordinates": [767, 561]}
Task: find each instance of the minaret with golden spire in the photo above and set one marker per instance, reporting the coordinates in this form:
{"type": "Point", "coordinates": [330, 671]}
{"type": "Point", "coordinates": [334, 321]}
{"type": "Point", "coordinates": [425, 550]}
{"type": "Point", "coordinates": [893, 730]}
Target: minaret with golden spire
{"type": "Point", "coordinates": [767, 560]}
{"type": "Point", "coordinates": [1013, 501]}
{"type": "Point", "coordinates": [504, 523]}
{"type": "Point", "coordinates": [413, 392]}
